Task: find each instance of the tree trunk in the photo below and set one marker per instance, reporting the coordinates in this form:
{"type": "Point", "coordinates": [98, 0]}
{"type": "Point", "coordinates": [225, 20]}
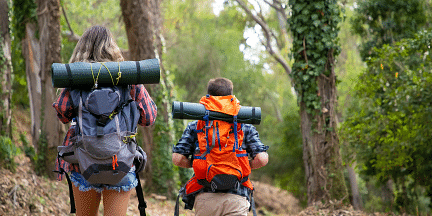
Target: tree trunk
{"type": "Point", "coordinates": [40, 54]}
{"type": "Point", "coordinates": [356, 199]}
{"type": "Point", "coordinates": [5, 70]}
{"type": "Point", "coordinates": [137, 19]}
{"type": "Point", "coordinates": [321, 156]}
{"type": "Point", "coordinates": [143, 23]}
{"type": "Point", "coordinates": [31, 52]}
{"type": "Point", "coordinates": [50, 45]}
{"type": "Point", "coordinates": [314, 48]}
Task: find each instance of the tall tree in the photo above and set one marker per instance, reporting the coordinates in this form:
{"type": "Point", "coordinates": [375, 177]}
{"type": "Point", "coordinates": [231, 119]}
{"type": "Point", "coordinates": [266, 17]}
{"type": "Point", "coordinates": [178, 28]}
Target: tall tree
{"type": "Point", "coordinates": [139, 30]}
{"type": "Point", "coordinates": [314, 26]}
{"type": "Point", "coordinates": [5, 70]}
{"type": "Point", "coordinates": [143, 22]}
{"type": "Point", "coordinates": [40, 52]}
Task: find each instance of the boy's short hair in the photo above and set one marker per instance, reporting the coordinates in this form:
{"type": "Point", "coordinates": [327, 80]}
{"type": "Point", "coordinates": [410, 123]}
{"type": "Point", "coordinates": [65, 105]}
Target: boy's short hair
{"type": "Point", "coordinates": [220, 87]}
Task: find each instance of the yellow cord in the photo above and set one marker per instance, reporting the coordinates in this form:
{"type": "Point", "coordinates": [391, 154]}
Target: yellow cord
{"type": "Point", "coordinates": [118, 74]}
{"type": "Point", "coordinates": [112, 114]}
{"type": "Point", "coordinates": [97, 78]}
{"type": "Point", "coordinates": [125, 140]}
{"type": "Point", "coordinates": [112, 80]}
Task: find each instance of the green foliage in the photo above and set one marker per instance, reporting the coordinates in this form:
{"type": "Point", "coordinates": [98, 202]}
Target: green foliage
{"type": "Point", "coordinates": [23, 12]}
{"type": "Point", "coordinates": [84, 14]}
{"type": "Point", "coordinates": [40, 158]}
{"type": "Point", "coordinates": [391, 133]}
{"type": "Point", "coordinates": [203, 46]}
{"type": "Point", "coordinates": [286, 166]}
{"type": "Point", "coordinates": [314, 26]}
{"type": "Point", "coordinates": [67, 48]}
{"type": "Point", "coordinates": [162, 167]}
{"type": "Point", "coordinates": [381, 22]}
{"type": "Point", "coordinates": [8, 151]}
{"type": "Point", "coordinates": [349, 65]}
{"type": "Point", "coordinates": [28, 150]}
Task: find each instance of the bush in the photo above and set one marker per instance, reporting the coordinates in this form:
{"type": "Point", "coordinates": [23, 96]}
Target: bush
{"type": "Point", "coordinates": [8, 151]}
{"type": "Point", "coordinates": [27, 149]}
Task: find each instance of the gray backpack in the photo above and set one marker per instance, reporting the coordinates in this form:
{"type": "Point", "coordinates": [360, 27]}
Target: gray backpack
{"type": "Point", "coordinates": [104, 145]}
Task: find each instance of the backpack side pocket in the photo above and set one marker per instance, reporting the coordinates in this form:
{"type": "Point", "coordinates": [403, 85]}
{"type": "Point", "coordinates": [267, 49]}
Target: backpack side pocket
{"type": "Point", "coordinates": [67, 153]}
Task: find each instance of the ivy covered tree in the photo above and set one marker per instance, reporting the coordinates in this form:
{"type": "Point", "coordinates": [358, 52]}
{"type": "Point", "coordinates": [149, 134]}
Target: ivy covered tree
{"type": "Point", "coordinates": [5, 70]}
{"type": "Point", "coordinates": [314, 25]}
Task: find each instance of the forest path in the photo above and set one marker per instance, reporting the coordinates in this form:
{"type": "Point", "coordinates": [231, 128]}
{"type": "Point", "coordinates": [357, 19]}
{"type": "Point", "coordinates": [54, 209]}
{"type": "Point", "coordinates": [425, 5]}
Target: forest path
{"type": "Point", "coordinates": [24, 193]}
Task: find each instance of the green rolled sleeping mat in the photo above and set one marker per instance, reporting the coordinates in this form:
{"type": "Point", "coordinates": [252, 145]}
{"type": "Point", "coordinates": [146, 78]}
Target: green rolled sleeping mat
{"type": "Point", "coordinates": [84, 75]}
{"type": "Point", "coordinates": [196, 111]}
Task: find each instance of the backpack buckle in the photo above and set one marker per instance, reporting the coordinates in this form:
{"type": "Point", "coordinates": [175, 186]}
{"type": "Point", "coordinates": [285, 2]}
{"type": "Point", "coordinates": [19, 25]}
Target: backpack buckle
{"type": "Point", "coordinates": [100, 123]}
{"type": "Point", "coordinates": [99, 131]}
{"type": "Point", "coordinates": [102, 120]}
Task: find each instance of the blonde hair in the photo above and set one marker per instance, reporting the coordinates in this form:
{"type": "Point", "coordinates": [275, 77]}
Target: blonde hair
{"type": "Point", "coordinates": [96, 45]}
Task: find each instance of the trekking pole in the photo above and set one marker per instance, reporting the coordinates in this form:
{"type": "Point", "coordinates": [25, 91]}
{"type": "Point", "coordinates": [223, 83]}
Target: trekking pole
{"type": "Point", "coordinates": [142, 205]}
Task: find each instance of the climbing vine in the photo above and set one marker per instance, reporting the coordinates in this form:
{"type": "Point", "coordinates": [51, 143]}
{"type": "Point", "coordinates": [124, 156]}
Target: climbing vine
{"type": "Point", "coordinates": [163, 169]}
{"type": "Point", "coordinates": [24, 11]}
{"type": "Point", "coordinates": [314, 25]}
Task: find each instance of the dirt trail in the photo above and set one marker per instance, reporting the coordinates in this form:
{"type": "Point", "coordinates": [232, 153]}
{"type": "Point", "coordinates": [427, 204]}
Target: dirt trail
{"type": "Point", "coordinates": [25, 193]}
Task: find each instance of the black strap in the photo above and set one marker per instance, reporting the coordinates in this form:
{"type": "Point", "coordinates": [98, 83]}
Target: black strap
{"type": "Point", "coordinates": [69, 74]}
{"type": "Point", "coordinates": [181, 110]}
{"type": "Point", "coordinates": [253, 206]}
{"type": "Point", "coordinates": [244, 179]}
{"type": "Point", "coordinates": [71, 197]}
{"type": "Point", "coordinates": [176, 208]}
{"type": "Point", "coordinates": [253, 115]}
{"type": "Point", "coordinates": [142, 205]}
{"type": "Point", "coordinates": [138, 71]}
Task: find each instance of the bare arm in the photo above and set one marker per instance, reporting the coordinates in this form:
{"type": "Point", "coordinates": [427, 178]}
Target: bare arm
{"type": "Point", "coordinates": [181, 160]}
{"type": "Point", "coordinates": [260, 160]}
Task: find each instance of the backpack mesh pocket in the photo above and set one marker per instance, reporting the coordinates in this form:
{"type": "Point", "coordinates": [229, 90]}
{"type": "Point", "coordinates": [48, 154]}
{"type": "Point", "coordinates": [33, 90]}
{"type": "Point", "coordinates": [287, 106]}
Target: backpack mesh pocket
{"type": "Point", "coordinates": [109, 170]}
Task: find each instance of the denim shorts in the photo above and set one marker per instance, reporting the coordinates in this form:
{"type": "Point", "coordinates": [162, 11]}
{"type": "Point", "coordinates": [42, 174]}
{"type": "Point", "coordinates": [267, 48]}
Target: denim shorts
{"type": "Point", "coordinates": [126, 184]}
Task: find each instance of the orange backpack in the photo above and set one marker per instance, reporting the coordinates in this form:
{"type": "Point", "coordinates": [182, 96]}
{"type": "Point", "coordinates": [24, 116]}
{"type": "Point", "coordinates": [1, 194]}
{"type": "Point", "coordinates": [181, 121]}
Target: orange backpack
{"type": "Point", "coordinates": [220, 162]}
